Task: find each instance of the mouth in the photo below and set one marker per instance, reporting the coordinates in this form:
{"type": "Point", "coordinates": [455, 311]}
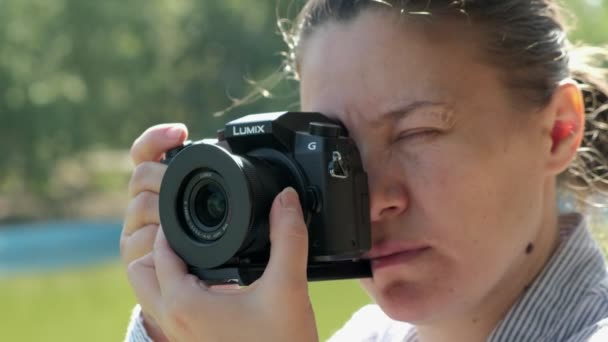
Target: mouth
{"type": "Point", "coordinates": [387, 255]}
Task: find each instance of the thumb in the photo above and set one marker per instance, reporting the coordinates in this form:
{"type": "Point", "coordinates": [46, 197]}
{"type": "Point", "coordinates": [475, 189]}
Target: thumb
{"type": "Point", "coordinates": [289, 241]}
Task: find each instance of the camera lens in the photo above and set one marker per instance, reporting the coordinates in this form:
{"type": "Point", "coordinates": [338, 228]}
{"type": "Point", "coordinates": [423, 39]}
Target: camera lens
{"type": "Point", "coordinates": [206, 205]}
{"type": "Point", "coordinates": [210, 205]}
{"type": "Point", "coordinates": [214, 205]}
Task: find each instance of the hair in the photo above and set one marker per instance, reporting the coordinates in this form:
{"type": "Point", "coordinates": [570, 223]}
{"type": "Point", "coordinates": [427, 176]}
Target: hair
{"type": "Point", "coordinates": [528, 36]}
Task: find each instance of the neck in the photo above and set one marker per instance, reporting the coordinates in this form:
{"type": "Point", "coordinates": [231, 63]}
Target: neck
{"type": "Point", "coordinates": [479, 322]}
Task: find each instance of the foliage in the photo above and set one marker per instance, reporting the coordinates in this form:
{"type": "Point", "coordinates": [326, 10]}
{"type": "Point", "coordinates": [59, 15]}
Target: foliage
{"type": "Point", "coordinates": [589, 20]}
{"type": "Point", "coordinates": [79, 75]}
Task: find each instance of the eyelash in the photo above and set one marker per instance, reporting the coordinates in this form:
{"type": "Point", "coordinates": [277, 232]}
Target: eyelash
{"type": "Point", "coordinates": [417, 134]}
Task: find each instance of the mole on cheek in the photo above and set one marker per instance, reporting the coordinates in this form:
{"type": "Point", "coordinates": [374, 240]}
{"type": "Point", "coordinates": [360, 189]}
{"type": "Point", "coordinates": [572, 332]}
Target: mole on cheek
{"type": "Point", "coordinates": [529, 248]}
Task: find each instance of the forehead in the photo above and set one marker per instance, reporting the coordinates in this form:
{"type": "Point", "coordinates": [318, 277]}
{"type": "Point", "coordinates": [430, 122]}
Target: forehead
{"type": "Point", "coordinates": [380, 59]}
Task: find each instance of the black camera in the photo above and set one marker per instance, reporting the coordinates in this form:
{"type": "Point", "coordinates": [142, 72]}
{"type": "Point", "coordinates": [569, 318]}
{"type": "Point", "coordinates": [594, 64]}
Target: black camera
{"type": "Point", "coordinates": [215, 197]}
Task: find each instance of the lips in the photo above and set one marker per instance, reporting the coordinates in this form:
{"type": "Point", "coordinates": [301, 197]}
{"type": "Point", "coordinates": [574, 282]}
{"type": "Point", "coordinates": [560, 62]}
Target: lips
{"type": "Point", "coordinates": [386, 249]}
{"type": "Point", "coordinates": [390, 254]}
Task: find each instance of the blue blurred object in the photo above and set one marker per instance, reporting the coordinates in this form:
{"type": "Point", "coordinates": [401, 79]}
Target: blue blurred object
{"type": "Point", "coordinates": [56, 245]}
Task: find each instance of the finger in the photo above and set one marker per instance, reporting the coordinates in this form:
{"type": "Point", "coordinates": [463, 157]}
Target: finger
{"type": "Point", "coordinates": [170, 269]}
{"type": "Point", "coordinates": [225, 287]}
{"type": "Point", "coordinates": [142, 276]}
{"type": "Point", "coordinates": [147, 176]}
{"type": "Point", "coordinates": [151, 145]}
{"type": "Point", "coordinates": [138, 244]}
{"type": "Point", "coordinates": [141, 211]}
{"type": "Point", "coordinates": [228, 289]}
{"type": "Point", "coordinates": [289, 242]}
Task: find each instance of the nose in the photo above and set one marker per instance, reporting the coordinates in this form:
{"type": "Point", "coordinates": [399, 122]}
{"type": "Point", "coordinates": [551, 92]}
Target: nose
{"type": "Point", "coordinates": [387, 193]}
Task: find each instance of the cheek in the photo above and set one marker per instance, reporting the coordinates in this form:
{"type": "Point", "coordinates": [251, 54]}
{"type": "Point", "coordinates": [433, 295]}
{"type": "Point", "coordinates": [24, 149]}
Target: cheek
{"type": "Point", "coordinates": [474, 204]}
{"type": "Point", "coordinates": [476, 207]}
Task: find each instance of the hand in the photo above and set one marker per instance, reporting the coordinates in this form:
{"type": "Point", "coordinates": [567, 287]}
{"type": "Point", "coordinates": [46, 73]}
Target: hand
{"type": "Point", "coordinates": [276, 307]}
{"type": "Point", "coordinates": [142, 218]}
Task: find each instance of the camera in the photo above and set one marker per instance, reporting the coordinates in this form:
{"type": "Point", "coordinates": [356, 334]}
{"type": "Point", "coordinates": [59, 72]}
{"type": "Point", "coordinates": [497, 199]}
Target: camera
{"type": "Point", "coordinates": [216, 195]}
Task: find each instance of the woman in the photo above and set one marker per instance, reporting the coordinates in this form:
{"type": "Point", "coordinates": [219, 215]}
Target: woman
{"type": "Point", "coordinates": [465, 113]}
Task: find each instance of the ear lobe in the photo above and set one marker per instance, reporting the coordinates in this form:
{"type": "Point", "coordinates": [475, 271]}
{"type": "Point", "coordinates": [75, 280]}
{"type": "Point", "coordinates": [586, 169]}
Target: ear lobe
{"type": "Point", "coordinates": [568, 125]}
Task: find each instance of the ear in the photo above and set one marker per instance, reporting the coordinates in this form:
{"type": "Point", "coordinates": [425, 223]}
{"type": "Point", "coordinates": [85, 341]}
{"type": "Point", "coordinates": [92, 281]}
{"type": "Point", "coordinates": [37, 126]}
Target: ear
{"type": "Point", "coordinates": [566, 119]}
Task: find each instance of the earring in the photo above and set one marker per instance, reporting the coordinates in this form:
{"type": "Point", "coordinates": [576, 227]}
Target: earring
{"type": "Point", "coordinates": [560, 131]}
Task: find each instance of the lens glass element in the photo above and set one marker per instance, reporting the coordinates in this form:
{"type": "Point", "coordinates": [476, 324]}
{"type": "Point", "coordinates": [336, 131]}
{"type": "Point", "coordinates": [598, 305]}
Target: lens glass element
{"type": "Point", "coordinates": [210, 205]}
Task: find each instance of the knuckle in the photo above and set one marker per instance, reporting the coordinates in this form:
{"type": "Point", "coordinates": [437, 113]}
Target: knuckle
{"type": "Point", "coordinates": [138, 244]}
{"type": "Point", "coordinates": [297, 228]}
{"type": "Point", "coordinates": [146, 176]}
{"type": "Point", "coordinates": [135, 150]}
{"type": "Point", "coordinates": [138, 178]}
{"type": "Point", "coordinates": [129, 254]}
{"type": "Point", "coordinates": [145, 202]}
{"type": "Point", "coordinates": [130, 218]}
{"type": "Point", "coordinates": [133, 268]}
{"type": "Point", "coordinates": [293, 233]}
{"type": "Point", "coordinates": [141, 210]}
{"type": "Point", "coordinates": [176, 313]}
{"type": "Point", "coordinates": [138, 172]}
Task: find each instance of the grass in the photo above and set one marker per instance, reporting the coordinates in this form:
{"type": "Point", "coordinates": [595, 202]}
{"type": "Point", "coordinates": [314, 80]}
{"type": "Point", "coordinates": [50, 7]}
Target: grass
{"type": "Point", "coordinates": [94, 305]}
{"type": "Point", "coordinates": [75, 305]}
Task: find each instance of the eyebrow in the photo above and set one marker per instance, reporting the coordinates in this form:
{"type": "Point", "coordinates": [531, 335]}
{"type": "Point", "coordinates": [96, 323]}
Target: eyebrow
{"type": "Point", "coordinates": [403, 111]}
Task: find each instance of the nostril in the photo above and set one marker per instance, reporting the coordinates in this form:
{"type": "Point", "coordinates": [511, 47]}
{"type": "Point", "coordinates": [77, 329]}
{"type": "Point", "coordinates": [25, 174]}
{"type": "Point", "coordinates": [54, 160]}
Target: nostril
{"type": "Point", "coordinates": [387, 212]}
{"type": "Point", "coordinates": [387, 201]}
{"type": "Point", "coordinates": [391, 211]}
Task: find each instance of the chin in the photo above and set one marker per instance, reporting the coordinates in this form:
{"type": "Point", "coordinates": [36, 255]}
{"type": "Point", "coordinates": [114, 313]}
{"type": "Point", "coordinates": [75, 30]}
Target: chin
{"type": "Point", "coordinates": [401, 300]}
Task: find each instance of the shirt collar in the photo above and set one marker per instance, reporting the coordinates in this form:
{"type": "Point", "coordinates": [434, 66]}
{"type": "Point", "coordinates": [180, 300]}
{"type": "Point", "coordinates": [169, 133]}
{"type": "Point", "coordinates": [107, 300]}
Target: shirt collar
{"type": "Point", "coordinates": [576, 265]}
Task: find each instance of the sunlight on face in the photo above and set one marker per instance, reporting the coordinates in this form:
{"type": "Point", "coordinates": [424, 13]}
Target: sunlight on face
{"type": "Point", "coordinates": [453, 167]}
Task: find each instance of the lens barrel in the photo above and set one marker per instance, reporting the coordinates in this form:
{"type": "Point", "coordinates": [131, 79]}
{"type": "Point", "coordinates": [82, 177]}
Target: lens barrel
{"type": "Point", "coordinates": [214, 205]}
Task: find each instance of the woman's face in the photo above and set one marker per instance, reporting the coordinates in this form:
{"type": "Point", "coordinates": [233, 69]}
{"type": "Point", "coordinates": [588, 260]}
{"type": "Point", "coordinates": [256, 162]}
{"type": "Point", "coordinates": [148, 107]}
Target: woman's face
{"type": "Point", "coordinates": [457, 191]}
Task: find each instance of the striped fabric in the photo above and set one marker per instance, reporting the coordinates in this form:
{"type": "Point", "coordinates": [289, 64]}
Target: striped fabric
{"type": "Point", "coordinates": [568, 302]}
{"type": "Point", "coordinates": [136, 331]}
{"type": "Point", "coordinates": [569, 299]}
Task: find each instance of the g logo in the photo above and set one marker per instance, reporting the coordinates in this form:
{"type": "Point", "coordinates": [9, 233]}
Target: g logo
{"type": "Point", "coordinates": [312, 146]}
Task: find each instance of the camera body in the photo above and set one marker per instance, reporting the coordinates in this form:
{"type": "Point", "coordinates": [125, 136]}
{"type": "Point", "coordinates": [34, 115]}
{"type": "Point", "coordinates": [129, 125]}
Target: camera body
{"type": "Point", "coordinates": [215, 197]}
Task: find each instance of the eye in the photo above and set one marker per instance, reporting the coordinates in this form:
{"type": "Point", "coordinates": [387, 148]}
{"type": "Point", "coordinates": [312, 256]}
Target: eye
{"type": "Point", "coordinates": [418, 133]}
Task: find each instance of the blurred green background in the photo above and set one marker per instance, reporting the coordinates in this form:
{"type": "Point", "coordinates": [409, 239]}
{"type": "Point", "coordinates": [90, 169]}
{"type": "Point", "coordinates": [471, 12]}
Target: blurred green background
{"type": "Point", "coordinates": [80, 79]}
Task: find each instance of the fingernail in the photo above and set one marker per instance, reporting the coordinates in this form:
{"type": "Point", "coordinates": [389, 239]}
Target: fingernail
{"type": "Point", "coordinates": [289, 198]}
{"type": "Point", "coordinates": [175, 132]}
